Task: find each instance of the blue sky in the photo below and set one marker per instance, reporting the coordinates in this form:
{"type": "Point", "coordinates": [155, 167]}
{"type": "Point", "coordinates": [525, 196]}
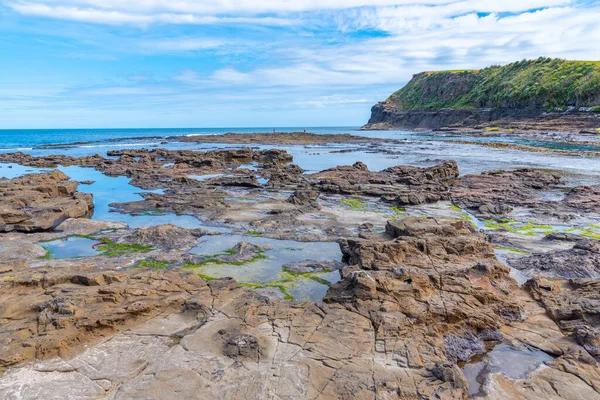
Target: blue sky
{"type": "Point", "coordinates": [234, 63]}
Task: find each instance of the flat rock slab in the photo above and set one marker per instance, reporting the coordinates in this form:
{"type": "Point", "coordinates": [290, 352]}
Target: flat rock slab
{"type": "Point", "coordinates": [310, 266]}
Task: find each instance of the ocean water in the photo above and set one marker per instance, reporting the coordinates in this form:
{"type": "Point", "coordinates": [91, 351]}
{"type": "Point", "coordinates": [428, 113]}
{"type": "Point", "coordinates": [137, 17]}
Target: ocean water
{"type": "Point", "coordinates": [412, 148]}
{"type": "Point", "coordinates": [27, 139]}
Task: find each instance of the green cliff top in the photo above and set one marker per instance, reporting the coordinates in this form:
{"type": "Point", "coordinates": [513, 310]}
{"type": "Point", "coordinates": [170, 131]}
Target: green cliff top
{"type": "Point", "coordinates": [544, 83]}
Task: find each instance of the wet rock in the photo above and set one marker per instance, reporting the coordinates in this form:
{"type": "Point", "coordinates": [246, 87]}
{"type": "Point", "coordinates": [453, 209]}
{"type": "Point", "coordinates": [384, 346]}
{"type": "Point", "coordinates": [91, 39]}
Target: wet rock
{"type": "Point", "coordinates": [583, 198]}
{"type": "Point", "coordinates": [366, 227]}
{"type": "Point", "coordinates": [40, 202]}
{"type": "Point", "coordinates": [304, 198]}
{"type": "Point", "coordinates": [239, 180]}
{"type": "Point", "coordinates": [240, 253]}
{"type": "Point", "coordinates": [582, 261]}
{"type": "Point", "coordinates": [280, 138]}
{"type": "Point", "coordinates": [243, 347]}
{"type": "Point", "coordinates": [166, 237]}
{"type": "Point", "coordinates": [463, 347]}
{"type": "Point", "coordinates": [399, 185]}
{"type": "Point", "coordinates": [564, 237]}
{"type": "Point", "coordinates": [420, 242]}
{"type": "Point", "coordinates": [20, 249]}
{"type": "Point", "coordinates": [573, 305]}
{"type": "Point", "coordinates": [496, 192]}
{"type": "Point", "coordinates": [284, 176]}
{"type": "Point", "coordinates": [451, 373]}
{"type": "Point", "coordinates": [311, 266]}
{"type": "Point", "coordinates": [185, 200]}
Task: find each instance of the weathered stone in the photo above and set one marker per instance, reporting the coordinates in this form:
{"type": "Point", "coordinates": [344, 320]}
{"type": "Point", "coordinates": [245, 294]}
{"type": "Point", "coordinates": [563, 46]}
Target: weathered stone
{"type": "Point", "coordinates": [398, 185]}
{"type": "Point", "coordinates": [496, 192]}
{"type": "Point", "coordinates": [304, 198]}
{"type": "Point", "coordinates": [240, 253]}
{"type": "Point", "coordinates": [166, 237]}
{"type": "Point", "coordinates": [573, 305]}
{"type": "Point", "coordinates": [310, 266]}
{"type": "Point", "coordinates": [582, 261]}
{"type": "Point", "coordinates": [40, 202]}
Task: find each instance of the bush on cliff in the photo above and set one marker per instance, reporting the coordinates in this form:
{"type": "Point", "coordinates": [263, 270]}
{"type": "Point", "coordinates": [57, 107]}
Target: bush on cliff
{"type": "Point", "coordinates": [542, 84]}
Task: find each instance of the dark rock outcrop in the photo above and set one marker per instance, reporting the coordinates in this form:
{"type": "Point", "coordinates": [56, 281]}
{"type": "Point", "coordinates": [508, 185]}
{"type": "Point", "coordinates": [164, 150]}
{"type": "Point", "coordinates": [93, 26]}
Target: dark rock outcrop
{"type": "Point", "coordinates": [582, 261]}
{"type": "Point", "coordinates": [399, 185]}
{"type": "Point", "coordinates": [496, 192]}
{"type": "Point", "coordinates": [311, 266]}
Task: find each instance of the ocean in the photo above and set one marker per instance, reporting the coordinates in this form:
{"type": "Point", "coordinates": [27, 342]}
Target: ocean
{"type": "Point", "coordinates": [29, 139]}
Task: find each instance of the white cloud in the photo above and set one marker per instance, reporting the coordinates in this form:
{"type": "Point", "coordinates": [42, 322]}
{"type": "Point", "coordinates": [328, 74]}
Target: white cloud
{"type": "Point", "coordinates": [123, 17]}
{"type": "Point", "coordinates": [334, 55]}
{"type": "Point", "coordinates": [411, 13]}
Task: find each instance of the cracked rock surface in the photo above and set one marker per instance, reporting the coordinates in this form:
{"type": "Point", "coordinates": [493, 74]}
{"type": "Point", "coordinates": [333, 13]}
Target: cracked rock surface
{"type": "Point", "coordinates": [384, 331]}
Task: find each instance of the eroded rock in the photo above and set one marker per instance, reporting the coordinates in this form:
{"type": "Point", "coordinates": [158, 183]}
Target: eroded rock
{"type": "Point", "coordinates": [497, 192]}
{"type": "Point", "coordinates": [40, 202]}
{"type": "Point", "coordinates": [166, 237]}
{"type": "Point", "coordinates": [310, 266]}
{"type": "Point", "coordinates": [399, 185]}
{"type": "Point", "coordinates": [581, 261]}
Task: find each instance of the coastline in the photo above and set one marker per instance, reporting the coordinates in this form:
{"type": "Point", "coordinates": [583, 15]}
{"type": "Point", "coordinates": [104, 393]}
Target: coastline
{"type": "Point", "coordinates": [194, 235]}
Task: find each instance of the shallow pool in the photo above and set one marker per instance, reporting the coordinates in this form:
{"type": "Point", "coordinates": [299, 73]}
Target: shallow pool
{"type": "Point", "coordinates": [71, 247]}
{"type": "Point", "coordinates": [269, 270]}
{"type": "Point", "coordinates": [514, 363]}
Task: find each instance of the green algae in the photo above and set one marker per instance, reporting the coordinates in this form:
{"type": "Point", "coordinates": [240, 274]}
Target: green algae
{"type": "Point", "coordinates": [47, 256]}
{"type": "Point", "coordinates": [355, 204]}
{"type": "Point", "coordinates": [397, 212]}
{"type": "Point", "coordinates": [111, 249]}
{"type": "Point", "coordinates": [212, 259]}
{"type": "Point", "coordinates": [102, 247]}
{"type": "Point", "coordinates": [276, 284]}
{"type": "Point", "coordinates": [455, 207]}
{"type": "Point", "coordinates": [510, 225]}
{"type": "Point", "coordinates": [288, 275]}
{"type": "Point", "coordinates": [153, 264]}
{"type": "Point", "coordinates": [590, 234]}
{"type": "Point", "coordinates": [206, 277]}
{"type": "Point", "coordinates": [511, 249]}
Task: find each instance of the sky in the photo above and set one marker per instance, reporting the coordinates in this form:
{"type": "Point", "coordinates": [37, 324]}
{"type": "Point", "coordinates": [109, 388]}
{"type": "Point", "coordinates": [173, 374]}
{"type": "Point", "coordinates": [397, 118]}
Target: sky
{"type": "Point", "coordinates": [257, 63]}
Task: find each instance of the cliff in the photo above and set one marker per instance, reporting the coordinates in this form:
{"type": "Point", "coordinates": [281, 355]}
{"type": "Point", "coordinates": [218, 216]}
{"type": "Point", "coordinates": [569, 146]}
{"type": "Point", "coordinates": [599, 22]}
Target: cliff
{"type": "Point", "coordinates": [529, 89]}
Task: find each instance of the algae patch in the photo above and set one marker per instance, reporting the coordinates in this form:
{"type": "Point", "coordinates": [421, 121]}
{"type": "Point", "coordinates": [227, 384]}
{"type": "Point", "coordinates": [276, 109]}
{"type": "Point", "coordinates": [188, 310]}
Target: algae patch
{"type": "Point", "coordinates": [153, 264]}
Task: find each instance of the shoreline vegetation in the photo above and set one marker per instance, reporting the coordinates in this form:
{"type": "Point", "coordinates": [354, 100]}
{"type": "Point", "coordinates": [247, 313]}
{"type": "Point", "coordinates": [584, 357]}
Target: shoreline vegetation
{"type": "Point", "coordinates": [545, 90]}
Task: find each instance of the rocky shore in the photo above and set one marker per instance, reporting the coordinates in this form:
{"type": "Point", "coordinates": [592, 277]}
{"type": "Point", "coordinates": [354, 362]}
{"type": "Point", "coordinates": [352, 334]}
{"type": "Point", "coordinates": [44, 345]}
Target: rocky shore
{"type": "Point", "coordinates": [387, 116]}
{"type": "Point", "coordinates": [538, 95]}
{"type": "Point", "coordinates": [420, 282]}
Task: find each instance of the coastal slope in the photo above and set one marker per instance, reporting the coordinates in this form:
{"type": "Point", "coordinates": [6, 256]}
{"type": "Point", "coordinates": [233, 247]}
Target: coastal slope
{"type": "Point", "coordinates": [546, 90]}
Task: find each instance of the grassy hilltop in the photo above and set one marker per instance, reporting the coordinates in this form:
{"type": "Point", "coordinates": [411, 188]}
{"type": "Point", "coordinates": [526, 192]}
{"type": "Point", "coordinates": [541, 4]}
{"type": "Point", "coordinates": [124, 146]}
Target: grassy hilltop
{"type": "Point", "coordinates": [542, 84]}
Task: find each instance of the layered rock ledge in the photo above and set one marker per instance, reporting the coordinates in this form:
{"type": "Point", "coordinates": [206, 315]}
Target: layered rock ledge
{"type": "Point", "coordinates": [40, 202]}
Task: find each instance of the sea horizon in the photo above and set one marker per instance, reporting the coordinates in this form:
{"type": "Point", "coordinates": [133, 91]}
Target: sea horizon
{"type": "Point", "coordinates": [26, 139]}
